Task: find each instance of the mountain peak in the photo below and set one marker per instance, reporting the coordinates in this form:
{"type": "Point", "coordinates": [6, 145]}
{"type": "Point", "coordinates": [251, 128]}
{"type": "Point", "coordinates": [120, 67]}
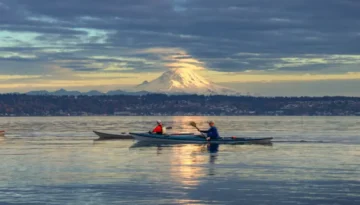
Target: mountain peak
{"type": "Point", "coordinates": [143, 83]}
{"type": "Point", "coordinates": [180, 71]}
{"type": "Point", "coordinates": [182, 80]}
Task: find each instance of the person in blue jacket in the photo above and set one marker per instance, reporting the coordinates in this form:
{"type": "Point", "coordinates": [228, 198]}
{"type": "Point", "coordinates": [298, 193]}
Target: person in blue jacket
{"type": "Point", "coordinates": [212, 133]}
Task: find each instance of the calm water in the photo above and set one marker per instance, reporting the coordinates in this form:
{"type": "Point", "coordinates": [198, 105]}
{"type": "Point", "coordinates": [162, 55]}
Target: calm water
{"type": "Point", "coordinates": [55, 160]}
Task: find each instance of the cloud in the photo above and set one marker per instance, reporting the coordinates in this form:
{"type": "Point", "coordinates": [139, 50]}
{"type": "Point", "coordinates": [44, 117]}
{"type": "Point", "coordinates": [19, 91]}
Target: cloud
{"type": "Point", "coordinates": [82, 68]}
{"type": "Point", "coordinates": [300, 88]}
{"type": "Point", "coordinates": [264, 77]}
{"type": "Point", "coordinates": [58, 77]}
{"type": "Point", "coordinates": [142, 36]}
{"type": "Point", "coordinates": [17, 77]}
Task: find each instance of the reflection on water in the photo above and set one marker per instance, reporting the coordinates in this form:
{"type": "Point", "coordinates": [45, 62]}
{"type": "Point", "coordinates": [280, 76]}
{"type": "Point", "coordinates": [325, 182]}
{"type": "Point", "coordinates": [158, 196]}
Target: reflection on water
{"type": "Point", "coordinates": [57, 161]}
{"type": "Point", "coordinates": [184, 165]}
{"type": "Point", "coordinates": [213, 148]}
{"type": "Point", "coordinates": [184, 159]}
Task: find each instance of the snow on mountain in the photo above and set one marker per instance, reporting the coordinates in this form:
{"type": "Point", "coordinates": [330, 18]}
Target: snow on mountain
{"type": "Point", "coordinates": [182, 80]}
{"type": "Point", "coordinates": [175, 81]}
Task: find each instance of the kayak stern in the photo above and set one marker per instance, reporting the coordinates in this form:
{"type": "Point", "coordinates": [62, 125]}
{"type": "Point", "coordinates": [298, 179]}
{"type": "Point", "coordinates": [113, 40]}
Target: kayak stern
{"type": "Point", "coordinates": [107, 136]}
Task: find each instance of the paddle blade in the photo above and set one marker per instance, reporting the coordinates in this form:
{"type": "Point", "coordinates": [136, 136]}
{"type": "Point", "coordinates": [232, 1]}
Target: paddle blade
{"type": "Point", "coordinates": [192, 123]}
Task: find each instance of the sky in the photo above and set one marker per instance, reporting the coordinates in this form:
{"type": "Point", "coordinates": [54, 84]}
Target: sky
{"type": "Point", "coordinates": [265, 47]}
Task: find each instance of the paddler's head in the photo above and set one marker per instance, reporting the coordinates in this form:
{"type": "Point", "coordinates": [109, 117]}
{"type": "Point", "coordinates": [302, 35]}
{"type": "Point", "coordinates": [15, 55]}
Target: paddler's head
{"type": "Point", "coordinates": [211, 123]}
{"type": "Point", "coordinates": [158, 122]}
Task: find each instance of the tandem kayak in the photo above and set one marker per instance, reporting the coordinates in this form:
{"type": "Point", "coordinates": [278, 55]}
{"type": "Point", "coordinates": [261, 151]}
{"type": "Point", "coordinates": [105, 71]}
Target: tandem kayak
{"type": "Point", "coordinates": [198, 139]}
{"type": "Point", "coordinates": [107, 136]}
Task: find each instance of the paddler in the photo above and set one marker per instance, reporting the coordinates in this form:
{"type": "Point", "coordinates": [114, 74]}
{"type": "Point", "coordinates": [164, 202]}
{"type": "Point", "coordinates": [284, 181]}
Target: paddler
{"type": "Point", "coordinates": [212, 132]}
{"type": "Point", "coordinates": [159, 128]}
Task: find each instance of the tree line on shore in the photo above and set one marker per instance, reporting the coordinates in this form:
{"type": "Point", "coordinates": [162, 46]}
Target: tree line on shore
{"type": "Point", "coordinates": [22, 104]}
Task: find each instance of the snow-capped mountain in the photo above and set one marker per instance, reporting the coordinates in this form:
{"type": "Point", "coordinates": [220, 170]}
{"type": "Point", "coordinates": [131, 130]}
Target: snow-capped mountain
{"type": "Point", "coordinates": [183, 80]}
{"type": "Point", "coordinates": [175, 81]}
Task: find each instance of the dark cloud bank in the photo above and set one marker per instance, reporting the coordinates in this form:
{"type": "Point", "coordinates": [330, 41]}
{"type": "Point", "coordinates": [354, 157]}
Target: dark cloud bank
{"type": "Point", "coordinates": [227, 35]}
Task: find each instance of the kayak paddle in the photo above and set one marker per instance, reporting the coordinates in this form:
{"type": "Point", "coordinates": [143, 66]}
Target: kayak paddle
{"type": "Point", "coordinates": [192, 123]}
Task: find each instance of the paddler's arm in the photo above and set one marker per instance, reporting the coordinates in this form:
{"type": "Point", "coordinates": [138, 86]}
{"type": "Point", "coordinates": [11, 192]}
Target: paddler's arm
{"type": "Point", "coordinates": [206, 131]}
{"type": "Point", "coordinates": [211, 129]}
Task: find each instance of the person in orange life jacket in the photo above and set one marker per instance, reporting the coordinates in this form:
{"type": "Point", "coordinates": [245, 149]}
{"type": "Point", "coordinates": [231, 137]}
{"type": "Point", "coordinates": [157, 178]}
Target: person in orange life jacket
{"type": "Point", "coordinates": [159, 128]}
{"type": "Point", "coordinates": [212, 133]}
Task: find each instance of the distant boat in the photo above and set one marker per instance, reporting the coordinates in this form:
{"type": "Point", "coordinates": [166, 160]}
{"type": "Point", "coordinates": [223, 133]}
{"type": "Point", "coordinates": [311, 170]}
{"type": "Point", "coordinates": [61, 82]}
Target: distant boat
{"type": "Point", "coordinates": [2, 133]}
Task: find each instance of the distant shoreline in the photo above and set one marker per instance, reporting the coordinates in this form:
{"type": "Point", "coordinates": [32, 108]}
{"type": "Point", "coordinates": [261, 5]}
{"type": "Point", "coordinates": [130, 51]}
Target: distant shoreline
{"type": "Point", "coordinates": [176, 105]}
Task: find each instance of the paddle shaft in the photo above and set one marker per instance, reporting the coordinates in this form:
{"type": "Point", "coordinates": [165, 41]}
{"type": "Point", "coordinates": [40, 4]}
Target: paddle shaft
{"type": "Point", "coordinates": [202, 134]}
